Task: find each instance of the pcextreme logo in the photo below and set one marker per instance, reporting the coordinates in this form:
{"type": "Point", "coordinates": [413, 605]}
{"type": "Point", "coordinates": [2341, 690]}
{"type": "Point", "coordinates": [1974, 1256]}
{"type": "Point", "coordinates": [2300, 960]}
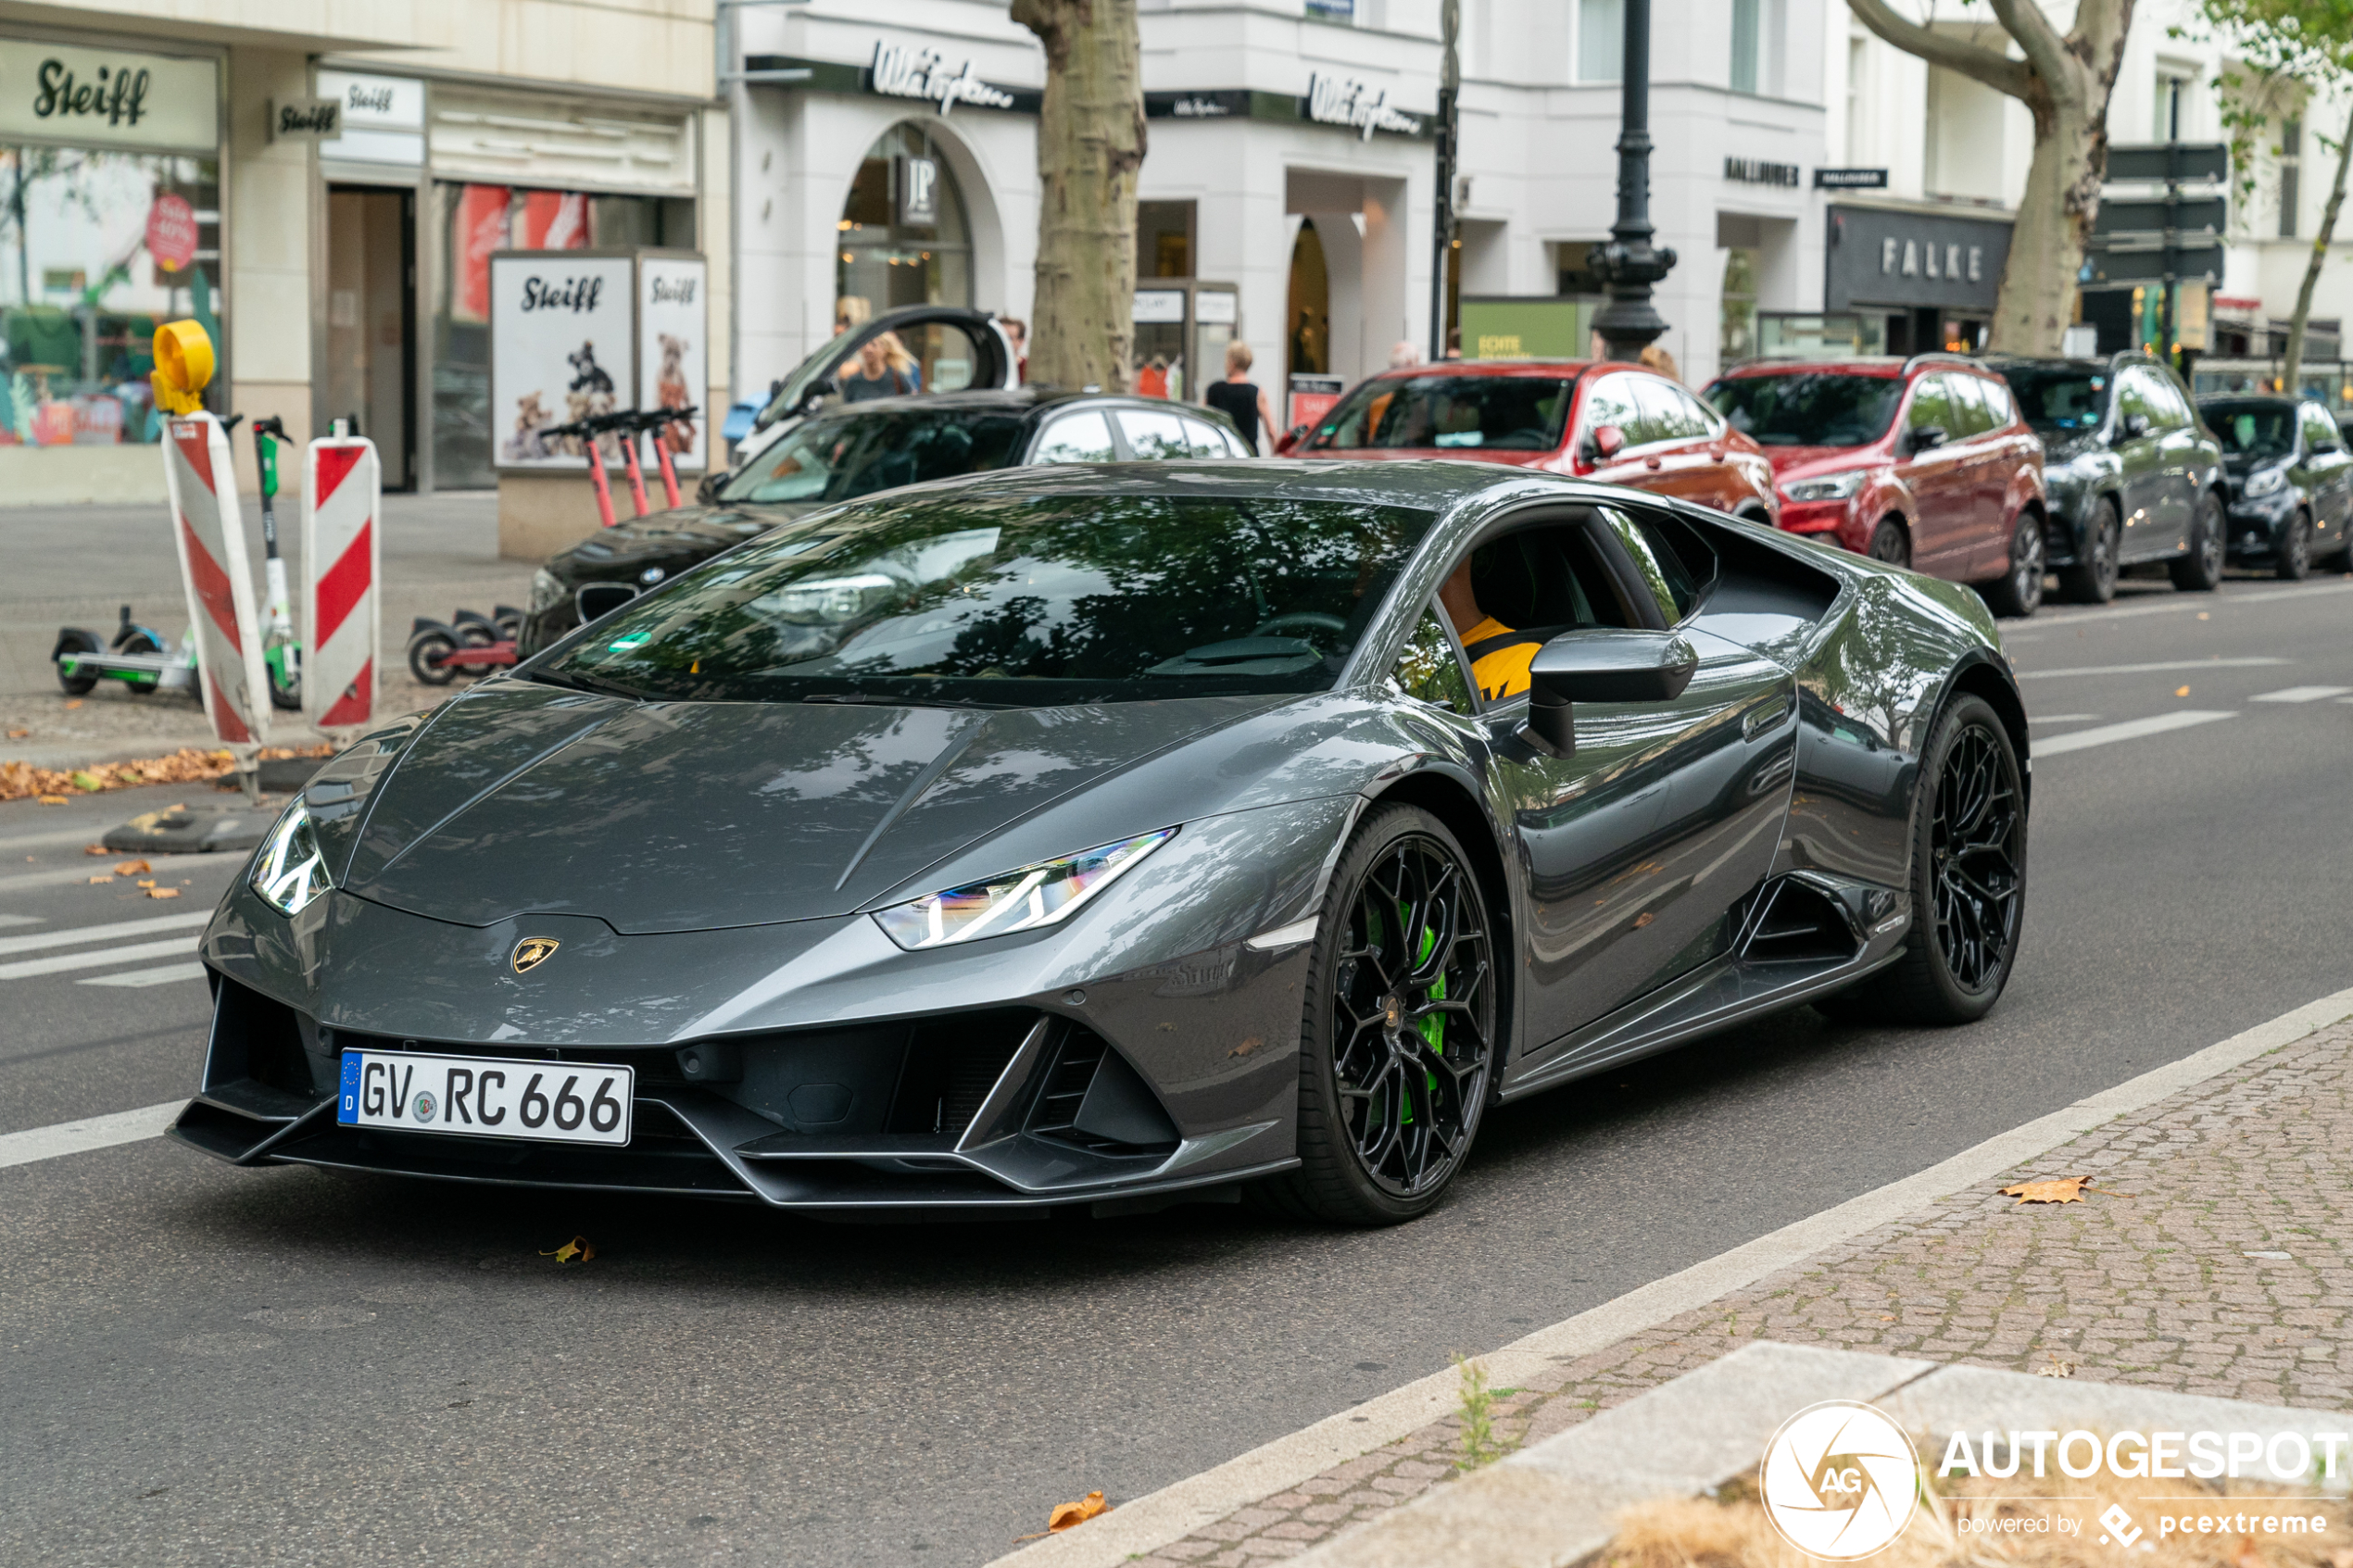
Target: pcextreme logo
{"type": "Point", "coordinates": [1839, 1481]}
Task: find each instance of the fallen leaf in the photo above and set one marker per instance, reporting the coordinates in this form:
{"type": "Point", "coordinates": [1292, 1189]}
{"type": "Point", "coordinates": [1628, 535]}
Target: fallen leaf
{"type": "Point", "coordinates": [96, 881]}
{"type": "Point", "coordinates": [2058, 1189]}
{"type": "Point", "coordinates": [53, 800]}
{"type": "Point", "coordinates": [87, 783]}
{"type": "Point", "coordinates": [1070, 1514]}
{"type": "Point", "coordinates": [2204, 615]}
{"type": "Point", "coordinates": [576, 1250]}
{"type": "Point", "coordinates": [96, 849]}
{"type": "Point", "coordinates": [149, 883]}
{"type": "Point", "coordinates": [2180, 691]}
{"type": "Point", "coordinates": [1643, 918]}
{"type": "Point", "coordinates": [132, 868]}
{"type": "Point", "coordinates": [75, 703]}
{"type": "Point", "coordinates": [1248, 1045]}
{"type": "Point", "coordinates": [163, 893]}
{"type": "Point", "coordinates": [19, 735]}
{"type": "Point", "coordinates": [2055, 1368]}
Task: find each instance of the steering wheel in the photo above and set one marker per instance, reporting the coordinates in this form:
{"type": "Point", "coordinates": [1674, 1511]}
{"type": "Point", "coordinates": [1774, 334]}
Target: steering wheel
{"type": "Point", "coordinates": [1310, 620]}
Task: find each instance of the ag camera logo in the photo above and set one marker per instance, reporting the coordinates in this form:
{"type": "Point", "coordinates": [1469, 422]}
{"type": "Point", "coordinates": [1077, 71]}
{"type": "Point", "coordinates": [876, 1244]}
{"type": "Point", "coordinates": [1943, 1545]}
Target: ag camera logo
{"type": "Point", "coordinates": [1839, 1481]}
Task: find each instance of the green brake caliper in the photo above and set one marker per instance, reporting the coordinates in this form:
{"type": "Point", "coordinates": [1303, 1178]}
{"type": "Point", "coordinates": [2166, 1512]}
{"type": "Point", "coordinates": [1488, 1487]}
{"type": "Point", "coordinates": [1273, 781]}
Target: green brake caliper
{"type": "Point", "coordinates": [1432, 1029]}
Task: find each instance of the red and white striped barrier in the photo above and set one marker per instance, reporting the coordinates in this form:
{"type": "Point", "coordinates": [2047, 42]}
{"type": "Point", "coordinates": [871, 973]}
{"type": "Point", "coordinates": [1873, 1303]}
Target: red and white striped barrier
{"type": "Point", "coordinates": [342, 608]}
{"type": "Point", "coordinates": [208, 527]}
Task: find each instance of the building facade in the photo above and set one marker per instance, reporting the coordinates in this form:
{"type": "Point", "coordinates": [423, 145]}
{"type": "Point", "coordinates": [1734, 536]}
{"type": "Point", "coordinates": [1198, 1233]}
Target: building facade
{"type": "Point", "coordinates": [161, 167]}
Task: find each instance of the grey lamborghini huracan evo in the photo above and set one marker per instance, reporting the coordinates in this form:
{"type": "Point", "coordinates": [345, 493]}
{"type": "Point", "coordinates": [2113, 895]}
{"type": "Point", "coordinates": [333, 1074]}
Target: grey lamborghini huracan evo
{"type": "Point", "coordinates": [1109, 836]}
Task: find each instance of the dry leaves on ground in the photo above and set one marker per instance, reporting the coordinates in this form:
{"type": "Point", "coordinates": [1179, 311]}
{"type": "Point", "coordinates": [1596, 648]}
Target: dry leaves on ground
{"type": "Point", "coordinates": [188, 765]}
{"type": "Point", "coordinates": [1072, 1514]}
{"type": "Point", "coordinates": [132, 868]}
{"type": "Point", "coordinates": [19, 735]}
{"type": "Point", "coordinates": [576, 1250]}
{"type": "Point", "coordinates": [2058, 1189]}
{"type": "Point", "coordinates": [162, 892]}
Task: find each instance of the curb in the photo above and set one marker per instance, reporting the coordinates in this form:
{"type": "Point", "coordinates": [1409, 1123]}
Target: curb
{"type": "Point", "coordinates": [1150, 1522]}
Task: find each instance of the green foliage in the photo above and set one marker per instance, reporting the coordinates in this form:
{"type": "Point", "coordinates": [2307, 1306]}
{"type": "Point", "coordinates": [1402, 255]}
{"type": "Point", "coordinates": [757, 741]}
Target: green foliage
{"type": "Point", "coordinates": [2284, 51]}
{"type": "Point", "coordinates": [1478, 1446]}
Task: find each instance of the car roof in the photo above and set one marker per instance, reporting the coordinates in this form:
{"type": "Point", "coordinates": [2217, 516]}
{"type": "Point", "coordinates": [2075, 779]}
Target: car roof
{"type": "Point", "coordinates": [1012, 400]}
{"type": "Point", "coordinates": [1890, 366]}
{"type": "Point", "coordinates": [1546, 368]}
{"type": "Point", "coordinates": [1433, 484]}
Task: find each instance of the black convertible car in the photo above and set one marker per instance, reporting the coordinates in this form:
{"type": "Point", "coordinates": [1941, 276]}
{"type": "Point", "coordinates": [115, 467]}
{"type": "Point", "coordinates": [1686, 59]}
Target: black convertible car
{"type": "Point", "coordinates": [1110, 836]}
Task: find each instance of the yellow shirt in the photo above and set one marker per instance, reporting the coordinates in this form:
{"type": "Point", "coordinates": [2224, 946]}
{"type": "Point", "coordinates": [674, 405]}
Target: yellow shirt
{"type": "Point", "coordinates": [1501, 671]}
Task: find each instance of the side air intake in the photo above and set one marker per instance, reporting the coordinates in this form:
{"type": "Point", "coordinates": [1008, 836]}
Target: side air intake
{"type": "Point", "coordinates": [1093, 1100]}
{"type": "Point", "coordinates": [1796, 924]}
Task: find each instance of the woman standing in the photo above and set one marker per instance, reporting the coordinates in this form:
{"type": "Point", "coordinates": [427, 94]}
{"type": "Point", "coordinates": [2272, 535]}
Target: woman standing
{"type": "Point", "coordinates": [1239, 399]}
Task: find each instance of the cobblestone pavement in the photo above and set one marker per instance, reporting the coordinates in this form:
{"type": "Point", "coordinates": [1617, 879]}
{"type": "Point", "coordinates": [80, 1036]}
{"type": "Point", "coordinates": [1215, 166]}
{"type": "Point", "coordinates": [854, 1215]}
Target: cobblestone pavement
{"type": "Point", "coordinates": [2215, 1256]}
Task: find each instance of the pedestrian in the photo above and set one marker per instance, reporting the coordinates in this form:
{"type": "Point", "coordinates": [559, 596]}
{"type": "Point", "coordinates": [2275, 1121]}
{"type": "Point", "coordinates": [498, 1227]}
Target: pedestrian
{"type": "Point", "coordinates": [1239, 399]}
{"type": "Point", "coordinates": [1657, 358]}
{"type": "Point", "coordinates": [1403, 354]}
{"type": "Point", "coordinates": [1017, 333]}
{"type": "Point", "coordinates": [1153, 380]}
{"type": "Point", "coordinates": [850, 312]}
{"type": "Point", "coordinates": [878, 372]}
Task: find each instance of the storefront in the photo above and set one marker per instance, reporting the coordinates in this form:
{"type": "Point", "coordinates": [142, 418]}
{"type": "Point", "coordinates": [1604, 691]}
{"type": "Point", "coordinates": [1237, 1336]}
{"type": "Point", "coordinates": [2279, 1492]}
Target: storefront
{"type": "Point", "coordinates": [1928, 277]}
{"type": "Point", "coordinates": [110, 203]}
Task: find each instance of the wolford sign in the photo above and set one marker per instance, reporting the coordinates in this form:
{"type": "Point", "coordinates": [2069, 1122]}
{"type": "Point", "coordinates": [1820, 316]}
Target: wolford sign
{"type": "Point", "coordinates": [899, 71]}
{"type": "Point", "coordinates": [1340, 100]}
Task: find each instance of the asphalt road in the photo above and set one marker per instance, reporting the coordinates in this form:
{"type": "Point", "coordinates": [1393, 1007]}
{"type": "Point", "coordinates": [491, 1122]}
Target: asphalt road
{"type": "Point", "coordinates": [210, 1365]}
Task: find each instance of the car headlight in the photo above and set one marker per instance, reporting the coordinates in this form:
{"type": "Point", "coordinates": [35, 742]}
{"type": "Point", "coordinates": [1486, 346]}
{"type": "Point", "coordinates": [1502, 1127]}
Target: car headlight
{"type": "Point", "coordinates": [545, 592]}
{"type": "Point", "coordinates": [1829, 487]}
{"type": "Point", "coordinates": [288, 872]}
{"type": "Point", "coordinates": [2262, 481]}
{"type": "Point", "coordinates": [1035, 895]}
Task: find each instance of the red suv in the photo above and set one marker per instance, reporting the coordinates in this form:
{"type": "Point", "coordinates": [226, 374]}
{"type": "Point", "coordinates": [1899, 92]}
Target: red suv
{"type": "Point", "coordinates": [1923, 461]}
{"type": "Point", "coordinates": [1612, 422]}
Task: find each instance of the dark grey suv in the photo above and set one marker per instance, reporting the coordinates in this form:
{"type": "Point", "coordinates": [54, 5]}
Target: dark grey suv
{"type": "Point", "coordinates": [2291, 481]}
{"type": "Point", "coordinates": [2131, 474]}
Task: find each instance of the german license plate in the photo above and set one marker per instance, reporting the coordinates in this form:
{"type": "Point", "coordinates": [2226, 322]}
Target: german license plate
{"type": "Point", "coordinates": [488, 1096]}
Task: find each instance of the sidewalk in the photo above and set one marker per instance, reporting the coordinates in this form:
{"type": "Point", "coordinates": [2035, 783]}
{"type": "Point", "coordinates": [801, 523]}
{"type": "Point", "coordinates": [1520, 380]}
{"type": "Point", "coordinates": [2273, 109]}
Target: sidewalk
{"type": "Point", "coordinates": [2227, 1271]}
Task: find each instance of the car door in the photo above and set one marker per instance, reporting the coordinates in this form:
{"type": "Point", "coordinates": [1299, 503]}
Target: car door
{"type": "Point", "coordinates": [1988, 554]}
{"type": "Point", "coordinates": [2184, 450]}
{"type": "Point", "coordinates": [1634, 843]}
{"type": "Point", "coordinates": [2332, 479]}
{"type": "Point", "coordinates": [2139, 443]}
{"type": "Point", "coordinates": [1943, 508]}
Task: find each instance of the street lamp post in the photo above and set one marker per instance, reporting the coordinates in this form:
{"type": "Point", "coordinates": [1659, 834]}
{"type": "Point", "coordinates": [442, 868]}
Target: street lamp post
{"type": "Point", "coordinates": [1450, 85]}
{"type": "Point", "coordinates": [1630, 264]}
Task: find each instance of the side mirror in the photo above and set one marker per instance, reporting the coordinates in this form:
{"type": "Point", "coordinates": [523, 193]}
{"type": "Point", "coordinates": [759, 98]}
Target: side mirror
{"type": "Point", "coordinates": [707, 493]}
{"type": "Point", "coordinates": [2135, 426]}
{"type": "Point", "coordinates": [1292, 439]}
{"type": "Point", "coordinates": [1925, 438]}
{"type": "Point", "coordinates": [819, 390]}
{"type": "Point", "coordinates": [1601, 666]}
{"type": "Point", "coordinates": [1608, 442]}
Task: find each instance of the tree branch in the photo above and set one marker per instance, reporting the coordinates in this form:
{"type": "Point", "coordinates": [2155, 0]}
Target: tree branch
{"type": "Point", "coordinates": [2046, 52]}
{"type": "Point", "coordinates": [1972, 60]}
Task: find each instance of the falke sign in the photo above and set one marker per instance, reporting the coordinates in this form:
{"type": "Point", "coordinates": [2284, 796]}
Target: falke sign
{"type": "Point", "coordinates": [899, 72]}
{"type": "Point", "coordinates": [107, 98]}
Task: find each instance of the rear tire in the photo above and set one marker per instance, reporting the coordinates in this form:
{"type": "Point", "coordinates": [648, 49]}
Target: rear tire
{"type": "Point", "coordinates": [1968, 880]}
{"type": "Point", "coordinates": [426, 646]}
{"type": "Point", "coordinates": [138, 639]}
{"type": "Point", "coordinates": [2201, 571]}
{"type": "Point", "coordinates": [2295, 551]}
{"type": "Point", "coordinates": [73, 639]}
{"type": "Point", "coordinates": [1398, 1041]}
{"type": "Point", "coordinates": [2092, 580]}
{"type": "Point", "coordinates": [2020, 592]}
{"type": "Point", "coordinates": [1891, 544]}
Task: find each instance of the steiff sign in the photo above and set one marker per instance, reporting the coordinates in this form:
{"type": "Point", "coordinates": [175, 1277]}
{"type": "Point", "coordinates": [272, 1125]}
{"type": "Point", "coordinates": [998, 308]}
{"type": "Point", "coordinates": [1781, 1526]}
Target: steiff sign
{"type": "Point", "coordinates": [107, 98]}
{"type": "Point", "coordinates": [305, 120]}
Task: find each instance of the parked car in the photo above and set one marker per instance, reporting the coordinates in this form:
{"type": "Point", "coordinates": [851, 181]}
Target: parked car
{"type": "Point", "coordinates": [2291, 483]}
{"type": "Point", "coordinates": [1923, 462]}
{"type": "Point", "coordinates": [857, 450]}
{"type": "Point", "coordinates": [1052, 838]}
{"type": "Point", "coordinates": [1611, 422]}
{"type": "Point", "coordinates": [2131, 473]}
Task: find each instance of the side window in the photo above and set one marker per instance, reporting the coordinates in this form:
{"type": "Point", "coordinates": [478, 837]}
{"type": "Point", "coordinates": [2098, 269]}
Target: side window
{"type": "Point", "coordinates": [2133, 397]}
{"type": "Point", "coordinates": [1511, 595]}
{"type": "Point", "coordinates": [1998, 404]}
{"type": "Point", "coordinates": [1206, 440]}
{"type": "Point", "coordinates": [2320, 430]}
{"type": "Point", "coordinates": [1427, 670]}
{"type": "Point", "coordinates": [1610, 401]}
{"type": "Point", "coordinates": [1152, 435]}
{"type": "Point", "coordinates": [1969, 405]}
{"type": "Point", "coordinates": [1673, 558]}
{"type": "Point", "coordinates": [1077, 438]}
{"type": "Point", "coordinates": [1698, 418]}
{"type": "Point", "coordinates": [2173, 408]}
{"type": "Point", "coordinates": [1665, 416]}
{"type": "Point", "coordinates": [1933, 405]}
{"type": "Point", "coordinates": [945, 353]}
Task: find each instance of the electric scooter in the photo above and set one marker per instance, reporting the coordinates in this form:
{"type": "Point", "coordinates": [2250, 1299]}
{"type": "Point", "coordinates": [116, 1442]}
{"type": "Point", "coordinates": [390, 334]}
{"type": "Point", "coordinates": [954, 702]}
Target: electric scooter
{"type": "Point", "coordinates": [588, 429]}
{"type": "Point", "coordinates": [280, 653]}
{"type": "Point", "coordinates": [137, 658]}
{"type": "Point", "coordinates": [653, 422]}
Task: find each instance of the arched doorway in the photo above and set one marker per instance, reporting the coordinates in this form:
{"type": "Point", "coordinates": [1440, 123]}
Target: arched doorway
{"type": "Point", "coordinates": [904, 240]}
{"type": "Point", "coordinates": [1309, 317]}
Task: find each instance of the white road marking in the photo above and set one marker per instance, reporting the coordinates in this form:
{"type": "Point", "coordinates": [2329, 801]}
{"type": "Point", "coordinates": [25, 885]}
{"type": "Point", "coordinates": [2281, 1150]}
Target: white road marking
{"type": "Point", "coordinates": [56, 964]}
{"type": "Point", "coordinates": [2176, 604]}
{"type": "Point", "coordinates": [2060, 717]}
{"type": "Point", "coordinates": [51, 838]}
{"type": "Point", "coordinates": [91, 1132]}
{"type": "Point", "coordinates": [2300, 694]}
{"type": "Point", "coordinates": [185, 921]}
{"type": "Point", "coordinates": [1152, 1521]}
{"type": "Point", "coordinates": [2083, 740]}
{"type": "Point", "coordinates": [63, 875]}
{"type": "Point", "coordinates": [148, 976]}
{"type": "Point", "coordinates": [2148, 669]}
{"type": "Point", "coordinates": [19, 920]}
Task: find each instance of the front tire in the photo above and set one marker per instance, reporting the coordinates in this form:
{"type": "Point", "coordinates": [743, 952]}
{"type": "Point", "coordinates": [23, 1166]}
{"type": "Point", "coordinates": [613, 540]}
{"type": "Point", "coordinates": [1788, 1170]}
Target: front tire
{"type": "Point", "coordinates": [1891, 544]}
{"type": "Point", "coordinates": [1397, 1044]}
{"type": "Point", "coordinates": [2295, 551]}
{"type": "Point", "coordinates": [1968, 880]}
{"type": "Point", "coordinates": [2092, 580]}
{"type": "Point", "coordinates": [426, 650]}
{"type": "Point", "coordinates": [2020, 592]}
{"type": "Point", "coordinates": [2200, 571]}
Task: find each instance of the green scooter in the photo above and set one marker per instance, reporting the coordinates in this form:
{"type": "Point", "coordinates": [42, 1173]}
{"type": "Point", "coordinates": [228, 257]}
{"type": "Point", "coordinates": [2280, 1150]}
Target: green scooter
{"type": "Point", "coordinates": [280, 652]}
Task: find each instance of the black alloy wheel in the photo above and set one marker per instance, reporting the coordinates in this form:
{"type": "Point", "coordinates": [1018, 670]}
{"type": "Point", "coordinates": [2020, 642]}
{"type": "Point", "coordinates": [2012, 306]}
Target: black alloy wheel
{"type": "Point", "coordinates": [2092, 580]}
{"type": "Point", "coordinates": [2200, 570]}
{"type": "Point", "coordinates": [2296, 550]}
{"type": "Point", "coordinates": [1398, 1044]}
{"type": "Point", "coordinates": [2020, 592]}
{"type": "Point", "coordinates": [1967, 879]}
{"type": "Point", "coordinates": [1891, 544]}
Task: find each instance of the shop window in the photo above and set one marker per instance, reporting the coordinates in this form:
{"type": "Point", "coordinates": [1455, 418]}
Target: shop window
{"type": "Point", "coordinates": [904, 237]}
{"type": "Point", "coordinates": [1165, 239]}
{"type": "Point", "coordinates": [475, 220]}
{"type": "Point", "coordinates": [1310, 329]}
{"type": "Point", "coordinates": [1738, 317]}
{"type": "Point", "coordinates": [82, 291]}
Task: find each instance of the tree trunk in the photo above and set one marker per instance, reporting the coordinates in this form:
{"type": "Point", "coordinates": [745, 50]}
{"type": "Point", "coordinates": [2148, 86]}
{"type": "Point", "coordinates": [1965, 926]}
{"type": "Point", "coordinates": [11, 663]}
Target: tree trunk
{"type": "Point", "coordinates": [1090, 143]}
{"type": "Point", "coordinates": [2294, 366]}
{"type": "Point", "coordinates": [2037, 298]}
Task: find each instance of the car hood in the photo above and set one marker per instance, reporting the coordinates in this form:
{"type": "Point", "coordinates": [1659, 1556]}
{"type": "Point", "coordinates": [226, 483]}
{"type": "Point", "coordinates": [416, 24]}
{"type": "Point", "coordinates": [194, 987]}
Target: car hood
{"type": "Point", "coordinates": [1799, 462]}
{"type": "Point", "coordinates": [669, 539]}
{"type": "Point", "coordinates": [521, 798]}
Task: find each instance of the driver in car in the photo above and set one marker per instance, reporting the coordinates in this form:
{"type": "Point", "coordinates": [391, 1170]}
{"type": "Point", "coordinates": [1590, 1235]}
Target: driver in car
{"type": "Point", "coordinates": [1499, 656]}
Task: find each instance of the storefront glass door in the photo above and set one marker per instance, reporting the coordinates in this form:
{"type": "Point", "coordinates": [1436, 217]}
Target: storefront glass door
{"type": "Point", "coordinates": [371, 369]}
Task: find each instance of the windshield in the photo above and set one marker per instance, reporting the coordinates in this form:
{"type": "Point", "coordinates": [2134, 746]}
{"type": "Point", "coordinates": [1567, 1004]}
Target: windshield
{"type": "Point", "coordinates": [1808, 408]}
{"type": "Point", "coordinates": [835, 459]}
{"type": "Point", "coordinates": [2059, 399]}
{"type": "Point", "coordinates": [2252, 430]}
{"type": "Point", "coordinates": [1016, 600]}
{"type": "Point", "coordinates": [1494, 413]}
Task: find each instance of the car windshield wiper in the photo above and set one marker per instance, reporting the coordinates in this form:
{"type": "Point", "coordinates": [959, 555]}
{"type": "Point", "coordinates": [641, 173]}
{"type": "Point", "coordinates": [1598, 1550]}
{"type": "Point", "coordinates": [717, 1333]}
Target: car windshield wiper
{"type": "Point", "coordinates": [595, 685]}
{"type": "Point", "coordinates": [863, 699]}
